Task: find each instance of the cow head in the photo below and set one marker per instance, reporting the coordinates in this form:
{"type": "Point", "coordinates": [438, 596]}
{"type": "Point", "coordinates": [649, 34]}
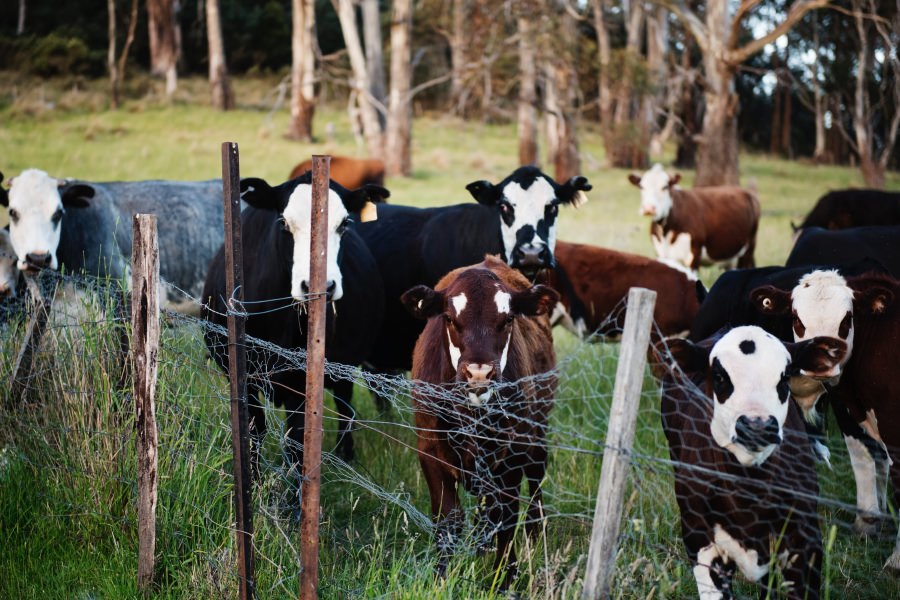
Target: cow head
{"type": "Point", "coordinates": [528, 202]}
{"type": "Point", "coordinates": [292, 200]}
{"type": "Point", "coordinates": [37, 203]}
{"type": "Point", "coordinates": [747, 373]}
{"type": "Point", "coordinates": [478, 313]}
{"type": "Point", "coordinates": [8, 273]}
{"type": "Point", "coordinates": [656, 187]}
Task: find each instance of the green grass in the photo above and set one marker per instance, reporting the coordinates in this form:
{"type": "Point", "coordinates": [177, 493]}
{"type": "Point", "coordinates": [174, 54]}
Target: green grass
{"type": "Point", "coordinates": [68, 515]}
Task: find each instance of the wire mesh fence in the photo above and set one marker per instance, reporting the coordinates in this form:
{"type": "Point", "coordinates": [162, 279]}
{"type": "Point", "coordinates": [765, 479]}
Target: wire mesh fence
{"type": "Point", "coordinates": [73, 431]}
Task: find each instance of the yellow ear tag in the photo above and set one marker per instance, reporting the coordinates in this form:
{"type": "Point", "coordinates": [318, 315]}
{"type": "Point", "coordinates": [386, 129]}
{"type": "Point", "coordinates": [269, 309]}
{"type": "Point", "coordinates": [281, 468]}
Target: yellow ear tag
{"type": "Point", "coordinates": [368, 213]}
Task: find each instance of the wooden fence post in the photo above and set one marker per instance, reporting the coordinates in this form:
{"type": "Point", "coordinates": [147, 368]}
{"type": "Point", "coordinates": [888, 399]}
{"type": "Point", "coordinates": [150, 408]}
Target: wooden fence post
{"type": "Point", "coordinates": [237, 369]}
{"type": "Point", "coordinates": [145, 354]}
{"type": "Point", "coordinates": [23, 369]}
{"type": "Point", "coordinates": [619, 440]}
{"type": "Point", "coordinates": [315, 374]}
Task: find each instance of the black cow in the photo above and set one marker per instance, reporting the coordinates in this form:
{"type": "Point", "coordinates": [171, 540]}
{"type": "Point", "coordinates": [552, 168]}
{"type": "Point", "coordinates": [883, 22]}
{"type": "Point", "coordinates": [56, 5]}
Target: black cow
{"type": "Point", "coordinates": [515, 219]}
{"type": "Point", "coordinates": [276, 230]}
{"type": "Point", "coordinates": [842, 209]}
{"type": "Point", "coordinates": [817, 246]}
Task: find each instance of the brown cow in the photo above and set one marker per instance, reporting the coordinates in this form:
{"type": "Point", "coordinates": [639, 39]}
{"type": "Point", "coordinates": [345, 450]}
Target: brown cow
{"type": "Point", "coordinates": [700, 226]}
{"type": "Point", "coordinates": [484, 384]}
{"type": "Point", "coordinates": [592, 282]}
{"type": "Point", "coordinates": [352, 173]}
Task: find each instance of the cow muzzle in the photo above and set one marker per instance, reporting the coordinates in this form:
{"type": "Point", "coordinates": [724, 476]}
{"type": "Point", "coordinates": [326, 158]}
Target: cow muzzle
{"type": "Point", "coordinates": [478, 377]}
{"type": "Point", "coordinates": [330, 287]}
{"type": "Point", "coordinates": [648, 211]}
{"type": "Point", "coordinates": [35, 261]}
{"type": "Point", "coordinates": [532, 258]}
{"type": "Point", "coordinates": [756, 433]}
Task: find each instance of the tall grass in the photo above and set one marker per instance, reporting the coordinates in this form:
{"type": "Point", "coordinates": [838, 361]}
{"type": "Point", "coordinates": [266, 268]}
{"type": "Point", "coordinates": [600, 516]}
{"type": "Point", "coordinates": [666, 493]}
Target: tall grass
{"type": "Point", "coordinates": [67, 467]}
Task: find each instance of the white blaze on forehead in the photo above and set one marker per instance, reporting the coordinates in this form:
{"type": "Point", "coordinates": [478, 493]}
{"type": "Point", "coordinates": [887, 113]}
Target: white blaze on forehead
{"type": "Point", "coordinates": [822, 299]}
{"type": "Point", "coordinates": [502, 300]}
{"type": "Point", "coordinates": [297, 216]}
{"type": "Point", "coordinates": [754, 376]}
{"type": "Point", "coordinates": [34, 195]}
{"type": "Point", "coordinates": [455, 353]}
{"type": "Point", "coordinates": [655, 196]}
{"type": "Point", "coordinates": [528, 207]}
{"type": "Point", "coordinates": [459, 302]}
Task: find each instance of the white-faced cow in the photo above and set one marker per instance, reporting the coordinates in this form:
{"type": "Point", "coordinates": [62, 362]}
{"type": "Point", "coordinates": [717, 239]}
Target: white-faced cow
{"type": "Point", "coordinates": [707, 225]}
{"type": "Point", "coordinates": [745, 477]}
{"type": "Point", "coordinates": [276, 237]}
{"type": "Point", "coordinates": [86, 227]}
{"type": "Point", "coordinates": [515, 219]}
{"type": "Point", "coordinates": [483, 387]}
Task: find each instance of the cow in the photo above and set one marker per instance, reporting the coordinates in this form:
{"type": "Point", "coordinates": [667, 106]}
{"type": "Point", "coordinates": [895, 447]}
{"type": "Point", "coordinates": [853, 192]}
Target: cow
{"type": "Point", "coordinates": [483, 386]}
{"type": "Point", "coordinates": [593, 281]}
{"type": "Point", "coordinates": [842, 209]}
{"type": "Point", "coordinates": [85, 227]}
{"type": "Point", "coordinates": [276, 238]}
{"type": "Point", "coordinates": [745, 476]}
{"type": "Point", "coordinates": [817, 246]}
{"type": "Point", "coordinates": [702, 226]}
{"type": "Point", "coordinates": [352, 173]}
{"type": "Point", "coordinates": [515, 219]}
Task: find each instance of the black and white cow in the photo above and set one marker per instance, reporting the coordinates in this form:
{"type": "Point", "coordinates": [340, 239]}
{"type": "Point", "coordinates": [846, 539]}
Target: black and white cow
{"type": "Point", "coordinates": [86, 227]}
{"type": "Point", "coordinates": [276, 237]}
{"type": "Point", "coordinates": [515, 219]}
{"type": "Point", "coordinates": [745, 476]}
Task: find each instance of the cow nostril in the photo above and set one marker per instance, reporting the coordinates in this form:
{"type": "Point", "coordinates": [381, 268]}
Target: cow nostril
{"type": "Point", "coordinates": [38, 259]}
{"type": "Point", "coordinates": [304, 287]}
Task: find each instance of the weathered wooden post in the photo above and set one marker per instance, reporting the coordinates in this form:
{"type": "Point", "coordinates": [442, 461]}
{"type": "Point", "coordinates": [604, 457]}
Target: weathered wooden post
{"type": "Point", "coordinates": [237, 369]}
{"type": "Point", "coordinates": [145, 354]}
{"type": "Point", "coordinates": [315, 375]}
{"type": "Point", "coordinates": [619, 440]}
{"type": "Point", "coordinates": [24, 367]}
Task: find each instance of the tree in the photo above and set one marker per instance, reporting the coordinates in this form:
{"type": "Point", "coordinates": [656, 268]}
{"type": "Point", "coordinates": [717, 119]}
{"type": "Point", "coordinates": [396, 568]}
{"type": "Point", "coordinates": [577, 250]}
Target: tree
{"type": "Point", "coordinates": [457, 41]}
{"type": "Point", "coordinates": [165, 40]}
{"type": "Point", "coordinates": [219, 83]}
{"type": "Point", "coordinates": [20, 23]}
{"type": "Point", "coordinates": [374, 54]}
{"type": "Point", "coordinates": [527, 119]}
{"type": "Point", "coordinates": [560, 87]}
{"type": "Point", "coordinates": [303, 67]}
{"type": "Point", "coordinates": [399, 125]}
{"type": "Point", "coordinates": [718, 40]}
{"type": "Point", "coordinates": [117, 70]}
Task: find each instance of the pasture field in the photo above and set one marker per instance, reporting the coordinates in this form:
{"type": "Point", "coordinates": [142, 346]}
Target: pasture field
{"type": "Point", "coordinates": [68, 516]}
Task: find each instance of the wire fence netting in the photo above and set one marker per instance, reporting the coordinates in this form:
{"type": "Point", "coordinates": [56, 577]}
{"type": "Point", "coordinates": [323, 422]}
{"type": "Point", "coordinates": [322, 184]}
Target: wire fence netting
{"type": "Point", "coordinates": [70, 428]}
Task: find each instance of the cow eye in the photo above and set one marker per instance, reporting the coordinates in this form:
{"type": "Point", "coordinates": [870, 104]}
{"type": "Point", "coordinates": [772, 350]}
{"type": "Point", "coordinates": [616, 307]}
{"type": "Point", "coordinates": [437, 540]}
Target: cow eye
{"type": "Point", "coordinates": [13, 215]}
{"type": "Point", "coordinates": [506, 208]}
{"type": "Point", "coordinates": [846, 325]}
{"type": "Point", "coordinates": [552, 210]}
{"type": "Point", "coordinates": [722, 385]}
{"type": "Point", "coordinates": [283, 224]}
{"type": "Point", "coordinates": [57, 216]}
{"type": "Point", "coordinates": [784, 387]}
{"type": "Point", "coordinates": [342, 227]}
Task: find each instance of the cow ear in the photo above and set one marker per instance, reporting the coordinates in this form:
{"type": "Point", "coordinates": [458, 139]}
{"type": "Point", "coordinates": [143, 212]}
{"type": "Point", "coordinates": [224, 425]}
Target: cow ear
{"type": "Point", "coordinates": [536, 300]}
{"type": "Point", "coordinates": [674, 179]}
{"type": "Point", "coordinates": [769, 300]}
{"type": "Point", "coordinates": [634, 179]}
{"type": "Point", "coordinates": [817, 355]}
{"type": "Point", "coordinates": [259, 194]}
{"type": "Point", "coordinates": [573, 191]}
{"type": "Point", "coordinates": [873, 300]}
{"type": "Point", "coordinates": [484, 192]}
{"type": "Point", "coordinates": [423, 302]}
{"type": "Point", "coordinates": [77, 195]}
{"type": "Point", "coordinates": [690, 357]}
{"type": "Point", "coordinates": [355, 200]}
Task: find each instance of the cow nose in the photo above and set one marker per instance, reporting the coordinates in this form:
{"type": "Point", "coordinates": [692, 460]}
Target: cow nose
{"type": "Point", "coordinates": [479, 373]}
{"type": "Point", "coordinates": [532, 256]}
{"type": "Point", "coordinates": [38, 260]}
{"type": "Point", "coordinates": [330, 287]}
{"type": "Point", "coordinates": [756, 433]}
{"type": "Point", "coordinates": [648, 211]}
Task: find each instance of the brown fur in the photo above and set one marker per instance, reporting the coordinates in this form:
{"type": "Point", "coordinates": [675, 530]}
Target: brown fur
{"type": "Point", "coordinates": [510, 441]}
{"type": "Point", "coordinates": [351, 173]}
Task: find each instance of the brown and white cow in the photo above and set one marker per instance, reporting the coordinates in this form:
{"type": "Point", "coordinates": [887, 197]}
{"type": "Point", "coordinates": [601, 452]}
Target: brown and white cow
{"type": "Point", "coordinates": [484, 381]}
{"type": "Point", "coordinates": [592, 282]}
{"type": "Point", "coordinates": [707, 225]}
{"type": "Point", "coordinates": [745, 475]}
{"type": "Point", "coordinates": [352, 173]}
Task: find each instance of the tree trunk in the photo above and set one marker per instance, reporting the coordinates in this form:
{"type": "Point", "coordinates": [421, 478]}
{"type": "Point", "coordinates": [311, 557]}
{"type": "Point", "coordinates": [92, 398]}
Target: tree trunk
{"type": "Point", "coordinates": [374, 53]}
{"type": "Point", "coordinates": [219, 83]}
{"type": "Point", "coordinates": [635, 30]}
{"type": "Point", "coordinates": [303, 70]}
{"type": "Point", "coordinates": [458, 56]}
{"type": "Point", "coordinates": [560, 89]}
{"type": "Point", "coordinates": [820, 152]}
{"type": "Point", "coordinates": [164, 41]}
{"type": "Point", "coordinates": [686, 150]}
{"type": "Point", "coordinates": [111, 55]}
{"type": "Point", "coordinates": [872, 174]}
{"type": "Point", "coordinates": [527, 128]}
{"type": "Point", "coordinates": [20, 23]}
{"type": "Point", "coordinates": [399, 132]}
{"type": "Point", "coordinates": [369, 115]}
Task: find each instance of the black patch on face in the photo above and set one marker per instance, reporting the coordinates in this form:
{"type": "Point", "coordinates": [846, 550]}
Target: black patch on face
{"type": "Point", "coordinates": [846, 325]}
{"type": "Point", "coordinates": [748, 346]}
{"type": "Point", "coordinates": [784, 387]}
{"type": "Point", "coordinates": [507, 212]}
{"type": "Point", "coordinates": [524, 235]}
{"type": "Point", "coordinates": [721, 381]}
{"type": "Point", "coordinates": [524, 176]}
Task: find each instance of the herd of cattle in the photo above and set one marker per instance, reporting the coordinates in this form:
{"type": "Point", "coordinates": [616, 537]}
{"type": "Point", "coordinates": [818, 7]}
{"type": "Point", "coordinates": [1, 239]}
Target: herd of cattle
{"type": "Point", "coordinates": [465, 296]}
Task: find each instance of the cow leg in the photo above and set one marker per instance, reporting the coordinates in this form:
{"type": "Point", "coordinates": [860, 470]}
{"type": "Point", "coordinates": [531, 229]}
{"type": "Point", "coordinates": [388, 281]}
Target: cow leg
{"type": "Point", "coordinates": [893, 562]}
{"type": "Point", "coordinates": [534, 472]}
{"type": "Point", "coordinates": [445, 509]}
{"type": "Point", "coordinates": [713, 573]}
{"type": "Point", "coordinates": [503, 511]}
{"type": "Point", "coordinates": [342, 390]}
{"type": "Point", "coordinates": [257, 428]}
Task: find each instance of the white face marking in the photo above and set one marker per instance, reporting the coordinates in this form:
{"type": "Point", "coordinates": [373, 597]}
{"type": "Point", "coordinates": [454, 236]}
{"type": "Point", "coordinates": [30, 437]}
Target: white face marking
{"type": "Point", "coordinates": [705, 586]}
{"type": "Point", "coordinates": [746, 560]}
{"type": "Point", "coordinates": [502, 300]}
{"type": "Point", "coordinates": [34, 195]}
{"type": "Point", "coordinates": [297, 217]}
{"type": "Point", "coordinates": [754, 378]}
{"type": "Point", "coordinates": [455, 353]}
{"type": "Point", "coordinates": [675, 247]}
{"type": "Point", "coordinates": [459, 303]}
{"type": "Point", "coordinates": [822, 300]}
{"type": "Point", "coordinates": [529, 206]}
{"type": "Point", "coordinates": [505, 354]}
{"type": "Point", "coordinates": [8, 272]}
{"type": "Point", "coordinates": [656, 201]}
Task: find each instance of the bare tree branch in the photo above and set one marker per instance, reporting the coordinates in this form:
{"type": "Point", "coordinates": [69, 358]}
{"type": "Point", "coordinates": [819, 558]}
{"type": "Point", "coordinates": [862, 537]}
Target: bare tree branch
{"type": "Point", "coordinates": [689, 19]}
{"type": "Point", "coordinates": [742, 11]}
{"type": "Point", "coordinates": [798, 9]}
